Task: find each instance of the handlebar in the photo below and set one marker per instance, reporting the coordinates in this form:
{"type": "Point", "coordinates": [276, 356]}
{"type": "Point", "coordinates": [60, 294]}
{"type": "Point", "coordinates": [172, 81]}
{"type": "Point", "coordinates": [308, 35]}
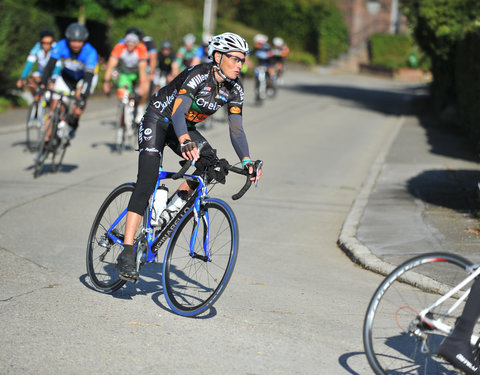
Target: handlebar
{"type": "Point", "coordinates": [248, 183]}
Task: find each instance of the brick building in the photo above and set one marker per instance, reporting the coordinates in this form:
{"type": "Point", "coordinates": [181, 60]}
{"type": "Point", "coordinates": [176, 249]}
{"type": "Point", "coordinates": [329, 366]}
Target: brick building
{"type": "Point", "coordinates": [364, 18]}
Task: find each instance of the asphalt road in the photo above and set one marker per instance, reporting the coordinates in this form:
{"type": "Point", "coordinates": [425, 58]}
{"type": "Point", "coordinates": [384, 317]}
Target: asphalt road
{"type": "Point", "coordinates": [295, 303]}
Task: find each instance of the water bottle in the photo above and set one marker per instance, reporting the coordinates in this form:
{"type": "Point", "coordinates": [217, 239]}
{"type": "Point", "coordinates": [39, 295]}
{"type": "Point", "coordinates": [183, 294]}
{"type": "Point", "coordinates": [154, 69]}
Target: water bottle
{"type": "Point", "coordinates": [159, 205]}
{"type": "Point", "coordinates": [61, 128]}
{"type": "Point", "coordinates": [175, 204]}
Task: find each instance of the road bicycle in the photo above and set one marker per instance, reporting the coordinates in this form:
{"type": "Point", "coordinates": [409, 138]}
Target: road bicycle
{"type": "Point", "coordinates": [54, 139]}
{"type": "Point", "coordinates": [413, 310]}
{"type": "Point", "coordinates": [126, 127]}
{"type": "Point", "coordinates": [202, 247]}
{"type": "Point", "coordinates": [261, 78]}
{"type": "Point", "coordinates": [37, 114]}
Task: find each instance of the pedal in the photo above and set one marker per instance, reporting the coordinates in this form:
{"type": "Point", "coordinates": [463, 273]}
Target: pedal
{"type": "Point", "coordinates": [128, 277]}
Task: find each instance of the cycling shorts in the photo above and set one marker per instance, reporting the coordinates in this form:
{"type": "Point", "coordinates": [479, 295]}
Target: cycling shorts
{"type": "Point", "coordinates": [69, 86]}
{"type": "Point", "coordinates": [127, 80]}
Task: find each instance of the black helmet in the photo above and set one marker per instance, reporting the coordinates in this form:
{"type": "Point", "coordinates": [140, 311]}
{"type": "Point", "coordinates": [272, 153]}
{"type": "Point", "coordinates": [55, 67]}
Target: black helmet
{"type": "Point", "coordinates": [76, 32]}
{"type": "Point", "coordinates": [166, 44]}
{"type": "Point", "coordinates": [46, 32]}
{"type": "Point", "coordinates": [136, 31]}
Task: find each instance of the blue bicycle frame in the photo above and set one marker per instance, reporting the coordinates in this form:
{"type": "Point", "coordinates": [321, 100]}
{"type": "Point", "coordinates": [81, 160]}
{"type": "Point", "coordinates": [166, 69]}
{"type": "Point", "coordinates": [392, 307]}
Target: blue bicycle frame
{"type": "Point", "coordinates": [155, 241]}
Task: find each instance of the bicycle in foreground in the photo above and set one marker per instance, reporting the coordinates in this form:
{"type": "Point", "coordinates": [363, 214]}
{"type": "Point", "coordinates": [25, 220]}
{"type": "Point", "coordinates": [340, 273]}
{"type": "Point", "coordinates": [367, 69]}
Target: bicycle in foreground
{"type": "Point", "coordinates": [54, 139]}
{"type": "Point", "coordinates": [126, 127]}
{"type": "Point", "coordinates": [202, 249]}
{"type": "Point", "coordinates": [37, 114]}
{"type": "Point", "coordinates": [413, 310]}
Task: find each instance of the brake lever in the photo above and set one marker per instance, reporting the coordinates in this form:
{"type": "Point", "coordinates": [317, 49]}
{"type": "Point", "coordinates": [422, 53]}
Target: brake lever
{"type": "Point", "coordinates": [199, 147]}
{"type": "Point", "coordinates": [258, 168]}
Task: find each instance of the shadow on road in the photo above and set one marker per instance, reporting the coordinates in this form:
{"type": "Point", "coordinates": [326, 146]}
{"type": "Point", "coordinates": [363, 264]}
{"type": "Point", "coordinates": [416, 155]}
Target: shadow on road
{"type": "Point", "coordinates": [344, 359]}
{"type": "Point", "coordinates": [407, 101]}
{"type": "Point", "coordinates": [149, 283]}
{"type": "Point", "coordinates": [454, 189]}
{"type": "Point", "coordinates": [400, 102]}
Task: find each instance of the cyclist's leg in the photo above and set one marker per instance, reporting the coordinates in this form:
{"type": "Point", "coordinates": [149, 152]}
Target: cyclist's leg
{"type": "Point", "coordinates": [63, 85]}
{"type": "Point", "coordinates": [457, 348]}
{"type": "Point", "coordinates": [152, 133]}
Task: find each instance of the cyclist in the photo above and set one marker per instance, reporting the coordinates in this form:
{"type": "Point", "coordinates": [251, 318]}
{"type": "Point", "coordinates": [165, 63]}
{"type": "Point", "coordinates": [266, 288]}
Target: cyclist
{"type": "Point", "coordinates": [279, 53]}
{"type": "Point", "coordinates": [186, 53]}
{"type": "Point", "coordinates": [40, 53]}
{"type": "Point", "coordinates": [131, 57]}
{"type": "Point", "coordinates": [263, 52]}
{"type": "Point", "coordinates": [201, 55]}
{"type": "Point", "coordinates": [167, 66]}
{"type": "Point", "coordinates": [171, 116]}
{"type": "Point", "coordinates": [79, 72]}
{"type": "Point", "coordinates": [456, 348]}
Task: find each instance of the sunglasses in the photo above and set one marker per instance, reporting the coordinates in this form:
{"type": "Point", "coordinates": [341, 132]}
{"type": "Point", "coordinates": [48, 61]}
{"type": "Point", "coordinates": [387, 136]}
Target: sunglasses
{"type": "Point", "coordinates": [235, 59]}
{"type": "Point", "coordinates": [46, 43]}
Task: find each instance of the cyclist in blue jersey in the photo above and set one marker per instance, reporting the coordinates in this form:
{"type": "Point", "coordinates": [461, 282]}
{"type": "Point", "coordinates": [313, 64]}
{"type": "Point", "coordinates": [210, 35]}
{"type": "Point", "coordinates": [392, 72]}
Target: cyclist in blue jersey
{"type": "Point", "coordinates": [79, 72]}
{"type": "Point", "coordinates": [39, 54]}
{"type": "Point", "coordinates": [171, 119]}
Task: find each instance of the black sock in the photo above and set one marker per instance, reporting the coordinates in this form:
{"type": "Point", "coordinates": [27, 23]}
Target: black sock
{"type": "Point", "coordinates": [128, 248]}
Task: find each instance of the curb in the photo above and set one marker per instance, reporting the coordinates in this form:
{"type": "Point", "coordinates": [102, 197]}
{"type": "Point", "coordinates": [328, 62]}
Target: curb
{"type": "Point", "coordinates": [347, 240]}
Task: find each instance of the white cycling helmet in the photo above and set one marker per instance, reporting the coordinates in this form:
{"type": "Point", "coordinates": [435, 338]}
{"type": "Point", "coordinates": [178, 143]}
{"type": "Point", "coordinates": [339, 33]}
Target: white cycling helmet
{"type": "Point", "coordinates": [260, 38]}
{"type": "Point", "coordinates": [277, 41]}
{"type": "Point", "coordinates": [227, 42]}
{"type": "Point", "coordinates": [189, 39]}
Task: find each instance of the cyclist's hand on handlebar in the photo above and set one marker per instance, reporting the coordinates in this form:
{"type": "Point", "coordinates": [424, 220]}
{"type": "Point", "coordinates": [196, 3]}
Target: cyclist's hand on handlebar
{"type": "Point", "coordinates": [106, 87]}
{"type": "Point", "coordinates": [254, 169]}
{"type": "Point", "coordinates": [189, 150]}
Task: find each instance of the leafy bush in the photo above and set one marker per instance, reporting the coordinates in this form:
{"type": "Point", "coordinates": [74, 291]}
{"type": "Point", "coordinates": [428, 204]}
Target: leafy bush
{"type": "Point", "coordinates": [314, 26]}
{"type": "Point", "coordinates": [391, 51]}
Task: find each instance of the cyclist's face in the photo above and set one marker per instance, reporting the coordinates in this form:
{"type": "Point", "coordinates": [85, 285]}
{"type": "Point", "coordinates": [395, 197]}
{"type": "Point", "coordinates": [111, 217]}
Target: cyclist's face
{"type": "Point", "coordinates": [76, 45]}
{"type": "Point", "coordinates": [46, 43]}
{"type": "Point", "coordinates": [231, 63]}
{"type": "Point", "coordinates": [130, 46]}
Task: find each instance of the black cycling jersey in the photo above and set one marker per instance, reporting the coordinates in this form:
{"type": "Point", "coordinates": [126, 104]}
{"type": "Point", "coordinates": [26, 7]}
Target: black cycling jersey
{"type": "Point", "coordinates": [165, 61]}
{"type": "Point", "coordinates": [201, 96]}
{"type": "Point", "coordinates": [198, 83]}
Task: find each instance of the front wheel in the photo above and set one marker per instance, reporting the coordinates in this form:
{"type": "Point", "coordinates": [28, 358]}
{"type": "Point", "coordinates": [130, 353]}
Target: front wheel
{"type": "Point", "coordinates": [102, 250]}
{"type": "Point", "coordinates": [396, 339]}
{"type": "Point", "coordinates": [193, 283]}
{"type": "Point", "coordinates": [34, 125]}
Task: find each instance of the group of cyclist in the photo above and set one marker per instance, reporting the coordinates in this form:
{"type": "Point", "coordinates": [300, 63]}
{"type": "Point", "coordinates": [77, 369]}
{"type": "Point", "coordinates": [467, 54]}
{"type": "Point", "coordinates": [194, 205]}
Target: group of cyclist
{"type": "Point", "coordinates": [135, 63]}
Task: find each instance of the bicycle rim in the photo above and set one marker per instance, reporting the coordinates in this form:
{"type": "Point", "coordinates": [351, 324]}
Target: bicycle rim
{"type": "Point", "coordinates": [43, 151]}
{"type": "Point", "coordinates": [34, 126]}
{"type": "Point", "coordinates": [120, 130]}
{"type": "Point", "coordinates": [191, 285]}
{"type": "Point", "coordinates": [102, 252]}
{"type": "Point", "coordinates": [396, 340]}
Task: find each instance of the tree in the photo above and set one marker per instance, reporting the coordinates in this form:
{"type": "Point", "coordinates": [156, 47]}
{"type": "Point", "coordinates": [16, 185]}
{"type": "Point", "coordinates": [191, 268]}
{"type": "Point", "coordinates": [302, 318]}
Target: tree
{"type": "Point", "coordinates": [438, 26]}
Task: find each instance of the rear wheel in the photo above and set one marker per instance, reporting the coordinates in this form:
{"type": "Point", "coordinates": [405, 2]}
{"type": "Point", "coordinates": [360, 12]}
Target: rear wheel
{"type": "Point", "coordinates": [102, 250]}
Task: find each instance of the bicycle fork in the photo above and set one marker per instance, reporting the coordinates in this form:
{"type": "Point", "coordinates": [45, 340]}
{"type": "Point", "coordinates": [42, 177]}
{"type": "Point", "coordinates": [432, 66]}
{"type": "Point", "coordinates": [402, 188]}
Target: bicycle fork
{"type": "Point", "coordinates": [200, 215]}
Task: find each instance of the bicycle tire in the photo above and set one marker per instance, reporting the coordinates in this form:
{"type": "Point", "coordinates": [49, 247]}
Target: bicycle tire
{"type": "Point", "coordinates": [44, 147]}
{"type": "Point", "coordinates": [60, 146]}
{"type": "Point", "coordinates": [192, 285]}
{"type": "Point", "coordinates": [102, 253]}
{"type": "Point", "coordinates": [120, 129]}
{"type": "Point", "coordinates": [395, 340]}
{"type": "Point", "coordinates": [34, 126]}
